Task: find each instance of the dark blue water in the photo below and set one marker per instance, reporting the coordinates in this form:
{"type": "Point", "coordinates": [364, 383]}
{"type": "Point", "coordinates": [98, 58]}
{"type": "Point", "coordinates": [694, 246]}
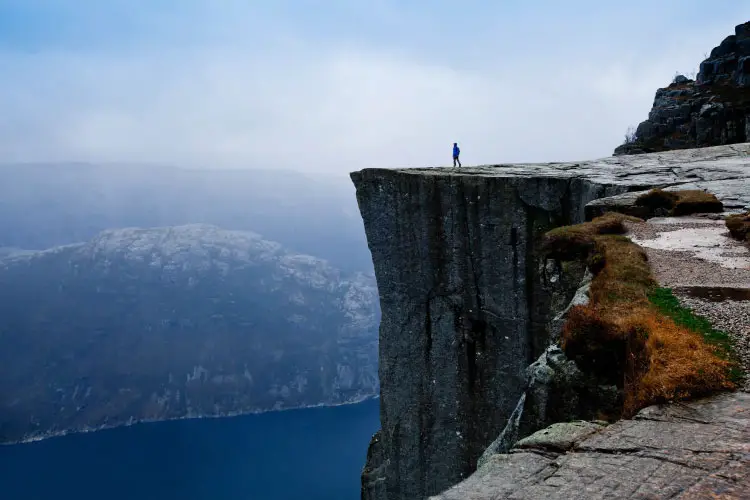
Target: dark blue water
{"type": "Point", "coordinates": [304, 454]}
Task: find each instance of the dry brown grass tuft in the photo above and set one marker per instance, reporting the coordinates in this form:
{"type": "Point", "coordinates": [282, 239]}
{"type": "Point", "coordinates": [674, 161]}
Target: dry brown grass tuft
{"type": "Point", "coordinates": [612, 223]}
{"type": "Point", "coordinates": [696, 202]}
{"type": "Point", "coordinates": [685, 202]}
{"type": "Point", "coordinates": [577, 241]}
{"type": "Point", "coordinates": [680, 363]}
{"type": "Point", "coordinates": [568, 242]}
{"type": "Point", "coordinates": [595, 343]}
{"type": "Point", "coordinates": [620, 336]}
{"type": "Point", "coordinates": [657, 198]}
{"type": "Point", "coordinates": [739, 226]}
{"type": "Point", "coordinates": [624, 277]}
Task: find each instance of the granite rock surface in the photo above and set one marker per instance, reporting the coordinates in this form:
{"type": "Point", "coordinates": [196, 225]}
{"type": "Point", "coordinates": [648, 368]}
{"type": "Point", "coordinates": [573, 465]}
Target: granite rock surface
{"type": "Point", "coordinates": [467, 300]}
{"type": "Point", "coordinates": [681, 451]}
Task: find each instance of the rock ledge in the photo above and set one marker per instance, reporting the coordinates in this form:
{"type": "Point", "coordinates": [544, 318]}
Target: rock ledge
{"type": "Point", "coordinates": [684, 451]}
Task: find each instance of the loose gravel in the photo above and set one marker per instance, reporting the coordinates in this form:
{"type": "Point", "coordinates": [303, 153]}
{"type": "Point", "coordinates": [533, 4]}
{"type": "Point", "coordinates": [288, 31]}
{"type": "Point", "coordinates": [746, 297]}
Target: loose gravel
{"type": "Point", "coordinates": [731, 316]}
{"type": "Point", "coordinates": [673, 268]}
{"type": "Point", "coordinates": [700, 253]}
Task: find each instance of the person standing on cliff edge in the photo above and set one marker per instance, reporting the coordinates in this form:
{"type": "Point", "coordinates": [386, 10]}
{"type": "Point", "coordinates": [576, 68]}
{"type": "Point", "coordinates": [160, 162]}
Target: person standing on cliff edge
{"type": "Point", "coordinates": [456, 152]}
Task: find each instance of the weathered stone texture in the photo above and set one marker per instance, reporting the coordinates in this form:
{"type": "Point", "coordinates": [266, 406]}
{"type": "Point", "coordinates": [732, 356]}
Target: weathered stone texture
{"type": "Point", "coordinates": [561, 436]}
{"type": "Point", "coordinates": [464, 310]}
{"type": "Point", "coordinates": [373, 475]}
{"type": "Point", "coordinates": [733, 192]}
{"type": "Point", "coordinates": [682, 451]}
{"type": "Point", "coordinates": [712, 110]}
{"type": "Point", "coordinates": [556, 390]}
{"type": "Point", "coordinates": [467, 302]}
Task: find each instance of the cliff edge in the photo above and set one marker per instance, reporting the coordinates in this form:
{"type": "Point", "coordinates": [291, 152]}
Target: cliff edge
{"type": "Point", "coordinates": [468, 302]}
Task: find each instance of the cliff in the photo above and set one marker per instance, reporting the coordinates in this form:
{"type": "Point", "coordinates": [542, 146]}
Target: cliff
{"type": "Point", "coordinates": [713, 109]}
{"type": "Point", "coordinates": [468, 303]}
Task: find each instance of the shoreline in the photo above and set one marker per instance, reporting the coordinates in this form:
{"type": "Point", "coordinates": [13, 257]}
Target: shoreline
{"type": "Point", "coordinates": [131, 422]}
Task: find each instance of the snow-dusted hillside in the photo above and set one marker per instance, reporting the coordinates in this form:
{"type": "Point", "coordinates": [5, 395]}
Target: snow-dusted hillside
{"type": "Point", "coordinates": [45, 205]}
{"type": "Point", "coordinates": [177, 321]}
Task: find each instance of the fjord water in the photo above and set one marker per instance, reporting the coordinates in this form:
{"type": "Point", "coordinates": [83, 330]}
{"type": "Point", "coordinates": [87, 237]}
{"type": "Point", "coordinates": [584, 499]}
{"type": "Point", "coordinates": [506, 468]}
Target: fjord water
{"type": "Point", "coordinates": [310, 454]}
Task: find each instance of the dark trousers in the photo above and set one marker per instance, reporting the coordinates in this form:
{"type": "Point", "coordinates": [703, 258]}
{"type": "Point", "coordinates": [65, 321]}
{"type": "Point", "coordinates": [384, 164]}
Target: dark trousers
{"type": "Point", "coordinates": [455, 159]}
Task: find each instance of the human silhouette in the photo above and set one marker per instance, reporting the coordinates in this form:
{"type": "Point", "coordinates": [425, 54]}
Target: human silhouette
{"type": "Point", "coordinates": [456, 152]}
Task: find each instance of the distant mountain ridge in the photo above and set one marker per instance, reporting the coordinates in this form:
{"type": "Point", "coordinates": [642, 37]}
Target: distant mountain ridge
{"type": "Point", "coordinates": [48, 204]}
{"type": "Point", "coordinates": [177, 321]}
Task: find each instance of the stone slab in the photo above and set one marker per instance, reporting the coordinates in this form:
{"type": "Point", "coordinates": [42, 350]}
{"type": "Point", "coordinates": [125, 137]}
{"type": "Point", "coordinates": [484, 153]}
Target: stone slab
{"type": "Point", "coordinates": [561, 436]}
{"type": "Point", "coordinates": [466, 301]}
{"type": "Point", "coordinates": [699, 449]}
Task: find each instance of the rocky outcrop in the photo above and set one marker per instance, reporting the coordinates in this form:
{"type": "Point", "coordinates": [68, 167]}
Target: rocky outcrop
{"type": "Point", "coordinates": [734, 196]}
{"type": "Point", "coordinates": [683, 451]}
{"type": "Point", "coordinates": [467, 302]}
{"type": "Point", "coordinates": [556, 390]}
{"type": "Point", "coordinates": [373, 475]}
{"type": "Point", "coordinates": [712, 110]}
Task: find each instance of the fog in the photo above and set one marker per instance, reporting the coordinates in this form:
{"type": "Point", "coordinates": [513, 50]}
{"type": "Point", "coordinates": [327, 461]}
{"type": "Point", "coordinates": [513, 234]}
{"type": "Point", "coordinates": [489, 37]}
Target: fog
{"type": "Point", "coordinates": [251, 116]}
{"type": "Point", "coordinates": [335, 88]}
{"type": "Point", "coordinates": [45, 205]}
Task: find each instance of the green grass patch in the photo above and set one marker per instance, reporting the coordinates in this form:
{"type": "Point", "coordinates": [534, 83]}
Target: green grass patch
{"type": "Point", "coordinates": [620, 336]}
{"type": "Point", "coordinates": [666, 302]}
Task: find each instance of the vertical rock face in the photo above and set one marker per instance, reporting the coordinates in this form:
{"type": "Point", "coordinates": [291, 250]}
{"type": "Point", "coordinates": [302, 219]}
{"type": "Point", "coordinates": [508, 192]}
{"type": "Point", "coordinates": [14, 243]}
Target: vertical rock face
{"type": "Point", "coordinates": [465, 305]}
{"type": "Point", "coordinates": [712, 110]}
{"type": "Point", "coordinates": [468, 304]}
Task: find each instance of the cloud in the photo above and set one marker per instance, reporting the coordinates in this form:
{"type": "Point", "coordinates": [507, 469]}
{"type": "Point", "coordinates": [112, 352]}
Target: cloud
{"type": "Point", "coordinates": [288, 94]}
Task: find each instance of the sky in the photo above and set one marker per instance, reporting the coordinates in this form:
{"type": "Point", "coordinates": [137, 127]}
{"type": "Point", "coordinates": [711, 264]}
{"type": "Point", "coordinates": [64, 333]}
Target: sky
{"type": "Point", "coordinates": [335, 85]}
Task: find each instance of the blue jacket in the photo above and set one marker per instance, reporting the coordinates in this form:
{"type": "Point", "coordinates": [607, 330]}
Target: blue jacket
{"type": "Point", "coordinates": [456, 151]}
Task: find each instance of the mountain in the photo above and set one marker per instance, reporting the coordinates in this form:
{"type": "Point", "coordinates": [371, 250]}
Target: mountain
{"type": "Point", "coordinates": [178, 321]}
{"type": "Point", "coordinates": [45, 205]}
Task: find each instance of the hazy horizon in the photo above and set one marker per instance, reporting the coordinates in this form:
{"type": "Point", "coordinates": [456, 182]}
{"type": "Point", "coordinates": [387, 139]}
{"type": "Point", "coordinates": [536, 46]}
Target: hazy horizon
{"type": "Point", "coordinates": [341, 87]}
{"type": "Point", "coordinates": [176, 167]}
